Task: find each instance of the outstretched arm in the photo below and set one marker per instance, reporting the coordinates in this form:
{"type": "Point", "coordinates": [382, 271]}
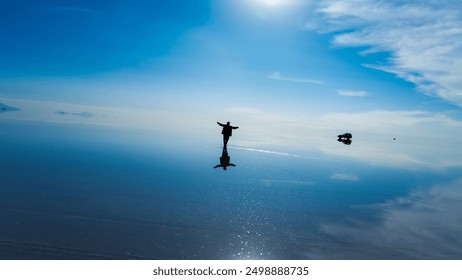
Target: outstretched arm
{"type": "Point", "coordinates": [219, 165]}
{"type": "Point", "coordinates": [220, 124]}
{"type": "Point", "coordinates": [235, 127]}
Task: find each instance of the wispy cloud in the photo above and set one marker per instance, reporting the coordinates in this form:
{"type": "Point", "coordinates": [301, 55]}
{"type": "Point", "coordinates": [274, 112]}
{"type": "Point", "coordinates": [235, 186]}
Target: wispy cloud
{"type": "Point", "coordinates": [344, 177]}
{"type": "Point", "coordinates": [424, 39]}
{"type": "Point", "coordinates": [81, 114]}
{"type": "Point", "coordinates": [5, 108]}
{"type": "Point", "coordinates": [278, 76]}
{"type": "Point", "coordinates": [264, 151]}
{"type": "Point", "coordinates": [352, 93]}
{"type": "Point", "coordinates": [245, 110]}
{"type": "Point", "coordinates": [272, 182]}
{"type": "Point", "coordinates": [59, 112]}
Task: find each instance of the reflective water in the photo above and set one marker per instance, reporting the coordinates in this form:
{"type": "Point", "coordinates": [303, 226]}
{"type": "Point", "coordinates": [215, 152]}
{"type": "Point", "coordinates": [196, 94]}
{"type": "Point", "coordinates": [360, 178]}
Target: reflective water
{"type": "Point", "coordinates": [72, 192]}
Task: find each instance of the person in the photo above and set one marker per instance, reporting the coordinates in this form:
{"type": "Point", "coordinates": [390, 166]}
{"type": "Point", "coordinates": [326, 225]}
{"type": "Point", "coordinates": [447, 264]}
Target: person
{"type": "Point", "coordinates": [227, 132]}
{"type": "Point", "coordinates": [224, 160]}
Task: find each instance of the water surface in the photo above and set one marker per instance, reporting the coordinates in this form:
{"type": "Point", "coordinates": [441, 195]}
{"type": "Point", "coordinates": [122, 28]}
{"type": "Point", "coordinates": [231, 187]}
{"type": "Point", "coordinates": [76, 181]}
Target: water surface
{"type": "Point", "coordinates": [91, 192]}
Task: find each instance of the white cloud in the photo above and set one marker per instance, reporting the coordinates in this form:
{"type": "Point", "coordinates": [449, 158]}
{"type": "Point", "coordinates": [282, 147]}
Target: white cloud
{"type": "Point", "coordinates": [352, 93]}
{"type": "Point", "coordinates": [424, 39]}
{"type": "Point", "coordinates": [278, 76]}
{"type": "Point", "coordinates": [425, 224]}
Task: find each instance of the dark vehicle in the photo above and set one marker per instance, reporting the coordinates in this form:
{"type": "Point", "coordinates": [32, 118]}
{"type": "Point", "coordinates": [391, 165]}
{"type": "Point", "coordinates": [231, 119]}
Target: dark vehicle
{"type": "Point", "coordinates": [345, 136]}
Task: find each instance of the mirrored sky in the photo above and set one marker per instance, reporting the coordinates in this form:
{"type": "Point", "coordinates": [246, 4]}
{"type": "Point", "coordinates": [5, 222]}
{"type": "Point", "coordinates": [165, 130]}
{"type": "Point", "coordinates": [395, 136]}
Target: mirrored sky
{"type": "Point", "coordinates": [138, 78]}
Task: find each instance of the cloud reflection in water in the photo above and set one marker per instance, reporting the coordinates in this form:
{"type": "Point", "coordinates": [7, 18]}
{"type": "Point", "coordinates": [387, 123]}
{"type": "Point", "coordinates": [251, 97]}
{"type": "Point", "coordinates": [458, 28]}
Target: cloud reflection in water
{"type": "Point", "coordinates": [426, 224]}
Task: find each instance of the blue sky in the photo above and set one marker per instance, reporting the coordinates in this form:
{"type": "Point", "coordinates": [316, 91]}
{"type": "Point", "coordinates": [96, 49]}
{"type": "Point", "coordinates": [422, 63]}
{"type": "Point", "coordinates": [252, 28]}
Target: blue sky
{"type": "Point", "coordinates": [273, 67]}
{"type": "Point", "coordinates": [117, 92]}
{"type": "Point", "coordinates": [320, 50]}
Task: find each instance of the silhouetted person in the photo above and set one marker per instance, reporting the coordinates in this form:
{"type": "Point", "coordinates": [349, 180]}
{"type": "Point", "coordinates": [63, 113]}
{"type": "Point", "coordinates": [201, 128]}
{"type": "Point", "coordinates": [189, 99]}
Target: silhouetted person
{"type": "Point", "coordinates": [224, 160]}
{"type": "Point", "coordinates": [227, 132]}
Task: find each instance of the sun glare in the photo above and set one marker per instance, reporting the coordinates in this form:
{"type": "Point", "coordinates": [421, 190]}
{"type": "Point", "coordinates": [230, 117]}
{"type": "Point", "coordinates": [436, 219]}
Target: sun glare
{"type": "Point", "coordinates": [272, 3]}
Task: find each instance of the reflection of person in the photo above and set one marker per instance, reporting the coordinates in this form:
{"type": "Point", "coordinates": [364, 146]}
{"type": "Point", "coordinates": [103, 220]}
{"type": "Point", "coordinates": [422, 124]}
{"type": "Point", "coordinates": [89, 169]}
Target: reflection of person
{"type": "Point", "coordinates": [224, 160]}
{"type": "Point", "coordinates": [227, 131]}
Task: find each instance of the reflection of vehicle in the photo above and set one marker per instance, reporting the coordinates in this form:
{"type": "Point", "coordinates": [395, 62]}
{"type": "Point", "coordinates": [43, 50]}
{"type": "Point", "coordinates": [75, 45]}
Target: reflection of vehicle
{"type": "Point", "coordinates": [345, 141]}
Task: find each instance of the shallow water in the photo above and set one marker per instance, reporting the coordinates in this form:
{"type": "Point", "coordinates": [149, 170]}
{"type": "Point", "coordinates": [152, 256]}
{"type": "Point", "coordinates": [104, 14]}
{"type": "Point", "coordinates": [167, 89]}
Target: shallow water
{"type": "Point", "coordinates": [84, 192]}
